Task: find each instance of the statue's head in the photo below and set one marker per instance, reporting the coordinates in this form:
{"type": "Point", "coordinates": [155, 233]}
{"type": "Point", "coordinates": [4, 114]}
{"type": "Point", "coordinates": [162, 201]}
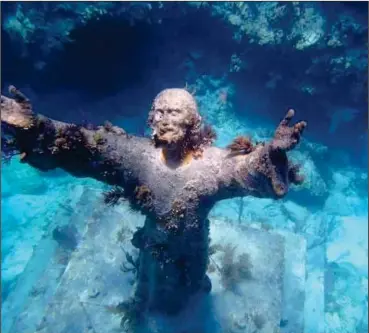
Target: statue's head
{"type": "Point", "coordinates": [174, 118]}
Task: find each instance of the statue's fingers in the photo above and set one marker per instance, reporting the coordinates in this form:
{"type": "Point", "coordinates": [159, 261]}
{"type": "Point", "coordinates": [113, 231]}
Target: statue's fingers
{"type": "Point", "coordinates": [3, 100]}
{"type": "Point", "coordinates": [5, 103]}
{"type": "Point", "coordinates": [297, 132]}
{"type": "Point", "coordinates": [15, 114]}
{"type": "Point", "coordinates": [287, 118]}
{"type": "Point", "coordinates": [18, 96]}
{"type": "Point", "coordinates": [299, 127]}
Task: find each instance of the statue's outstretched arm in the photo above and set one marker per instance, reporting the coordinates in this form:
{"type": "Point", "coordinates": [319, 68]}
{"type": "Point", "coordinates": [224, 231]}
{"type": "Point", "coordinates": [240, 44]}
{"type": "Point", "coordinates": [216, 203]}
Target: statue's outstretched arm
{"type": "Point", "coordinates": [47, 144]}
{"type": "Point", "coordinates": [264, 170]}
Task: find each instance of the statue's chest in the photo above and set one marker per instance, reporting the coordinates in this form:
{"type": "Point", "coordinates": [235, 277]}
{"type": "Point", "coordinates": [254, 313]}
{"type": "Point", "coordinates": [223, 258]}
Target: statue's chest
{"type": "Point", "coordinates": [174, 190]}
{"type": "Point", "coordinates": [165, 190]}
{"type": "Point", "coordinates": [168, 187]}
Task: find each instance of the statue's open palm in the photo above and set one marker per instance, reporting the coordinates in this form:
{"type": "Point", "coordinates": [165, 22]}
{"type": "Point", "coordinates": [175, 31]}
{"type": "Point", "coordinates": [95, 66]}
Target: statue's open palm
{"type": "Point", "coordinates": [287, 137]}
{"type": "Point", "coordinates": [17, 111]}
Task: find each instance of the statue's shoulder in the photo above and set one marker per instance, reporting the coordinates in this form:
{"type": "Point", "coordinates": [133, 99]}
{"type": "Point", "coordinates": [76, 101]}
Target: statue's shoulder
{"type": "Point", "coordinates": [213, 152]}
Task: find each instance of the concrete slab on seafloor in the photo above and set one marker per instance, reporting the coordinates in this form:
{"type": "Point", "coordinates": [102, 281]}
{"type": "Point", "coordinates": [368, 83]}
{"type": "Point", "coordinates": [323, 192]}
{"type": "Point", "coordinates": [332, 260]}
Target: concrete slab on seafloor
{"type": "Point", "coordinates": [93, 280]}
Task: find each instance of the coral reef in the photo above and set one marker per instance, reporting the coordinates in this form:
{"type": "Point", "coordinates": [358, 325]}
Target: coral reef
{"type": "Point", "coordinates": [324, 46]}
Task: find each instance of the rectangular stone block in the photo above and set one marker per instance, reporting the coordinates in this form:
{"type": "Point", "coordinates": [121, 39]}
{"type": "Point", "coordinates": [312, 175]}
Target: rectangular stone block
{"type": "Point", "coordinates": [93, 279]}
{"type": "Point", "coordinates": [251, 272]}
{"type": "Point", "coordinates": [294, 284]}
{"type": "Point", "coordinates": [255, 302]}
{"type": "Point", "coordinates": [23, 309]}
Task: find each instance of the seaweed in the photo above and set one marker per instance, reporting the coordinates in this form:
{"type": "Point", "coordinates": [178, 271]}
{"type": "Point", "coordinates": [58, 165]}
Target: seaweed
{"type": "Point", "coordinates": [142, 197]}
{"type": "Point", "coordinates": [208, 134]}
{"type": "Point", "coordinates": [240, 146]}
{"type": "Point", "coordinates": [113, 196]}
{"type": "Point", "coordinates": [131, 264]}
{"type": "Point", "coordinates": [130, 311]}
{"type": "Point", "coordinates": [233, 271]}
{"type": "Point", "coordinates": [123, 234]}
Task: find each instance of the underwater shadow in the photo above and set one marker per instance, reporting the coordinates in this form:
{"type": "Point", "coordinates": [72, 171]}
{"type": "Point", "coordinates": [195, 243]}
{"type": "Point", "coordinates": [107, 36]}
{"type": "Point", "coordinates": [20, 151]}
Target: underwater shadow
{"type": "Point", "coordinates": [199, 316]}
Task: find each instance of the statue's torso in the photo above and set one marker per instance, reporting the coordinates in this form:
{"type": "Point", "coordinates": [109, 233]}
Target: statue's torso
{"type": "Point", "coordinates": [187, 187]}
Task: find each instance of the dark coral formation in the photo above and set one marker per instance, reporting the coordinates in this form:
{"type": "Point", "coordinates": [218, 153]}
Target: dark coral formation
{"type": "Point", "coordinates": [339, 30]}
{"type": "Point", "coordinates": [323, 45]}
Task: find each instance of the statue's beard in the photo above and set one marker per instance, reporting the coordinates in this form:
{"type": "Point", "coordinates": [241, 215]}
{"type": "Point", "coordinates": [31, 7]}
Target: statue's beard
{"type": "Point", "coordinates": [168, 136]}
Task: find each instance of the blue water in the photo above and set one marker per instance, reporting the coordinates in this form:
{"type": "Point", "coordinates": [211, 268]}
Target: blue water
{"type": "Point", "coordinates": [246, 64]}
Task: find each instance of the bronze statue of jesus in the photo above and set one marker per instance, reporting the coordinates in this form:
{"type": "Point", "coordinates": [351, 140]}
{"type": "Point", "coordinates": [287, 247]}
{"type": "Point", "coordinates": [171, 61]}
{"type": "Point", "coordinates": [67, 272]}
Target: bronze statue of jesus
{"type": "Point", "coordinates": [174, 178]}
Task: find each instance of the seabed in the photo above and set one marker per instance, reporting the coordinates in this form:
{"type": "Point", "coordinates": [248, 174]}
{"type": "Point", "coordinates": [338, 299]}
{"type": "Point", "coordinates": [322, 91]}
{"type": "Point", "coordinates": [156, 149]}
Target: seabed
{"type": "Point", "coordinates": [67, 291]}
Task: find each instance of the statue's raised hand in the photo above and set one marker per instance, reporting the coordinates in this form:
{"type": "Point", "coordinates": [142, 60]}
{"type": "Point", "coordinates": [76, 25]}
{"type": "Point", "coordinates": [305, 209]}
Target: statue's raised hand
{"type": "Point", "coordinates": [286, 137]}
{"type": "Point", "coordinates": [16, 112]}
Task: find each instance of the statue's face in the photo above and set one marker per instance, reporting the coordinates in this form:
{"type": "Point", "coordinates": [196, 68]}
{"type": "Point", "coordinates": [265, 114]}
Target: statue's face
{"type": "Point", "coordinates": [173, 114]}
